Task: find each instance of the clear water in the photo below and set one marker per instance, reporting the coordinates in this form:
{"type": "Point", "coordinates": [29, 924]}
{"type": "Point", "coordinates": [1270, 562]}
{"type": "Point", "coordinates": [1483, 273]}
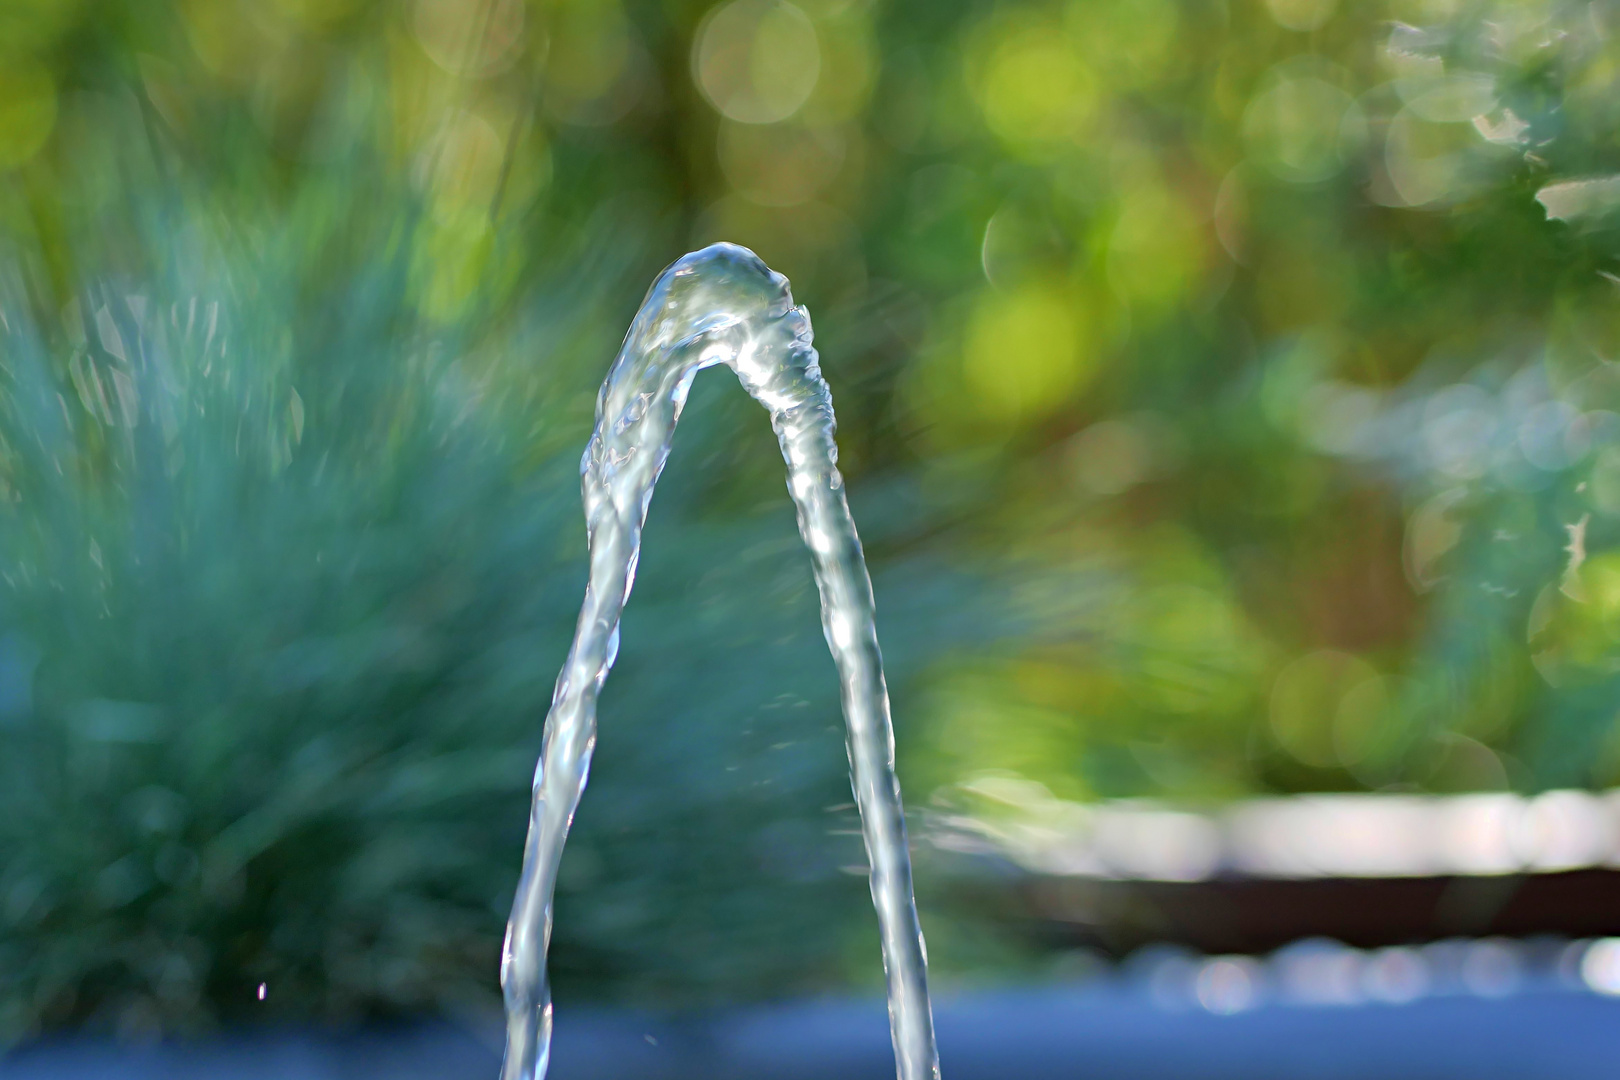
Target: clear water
{"type": "Point", "coordinates": [721, 305]}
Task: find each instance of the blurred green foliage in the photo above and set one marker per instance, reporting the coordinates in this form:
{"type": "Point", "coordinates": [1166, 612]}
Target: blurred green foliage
{"type": "Point", "coordinates": [286, 592]}
{"type": "Point", "coordinates": [1227, 392]}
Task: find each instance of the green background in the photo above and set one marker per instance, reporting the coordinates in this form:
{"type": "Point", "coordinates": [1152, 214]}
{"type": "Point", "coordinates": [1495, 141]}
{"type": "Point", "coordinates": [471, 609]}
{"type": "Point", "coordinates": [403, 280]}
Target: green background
{"type": "Point", "coordinates": [1227, 393]}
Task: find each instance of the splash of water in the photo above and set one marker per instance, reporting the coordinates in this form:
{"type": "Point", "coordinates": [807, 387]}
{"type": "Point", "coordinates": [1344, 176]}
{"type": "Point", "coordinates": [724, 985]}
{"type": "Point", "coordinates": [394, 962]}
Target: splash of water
{"type": "Point", "coordinates": [721, 305]}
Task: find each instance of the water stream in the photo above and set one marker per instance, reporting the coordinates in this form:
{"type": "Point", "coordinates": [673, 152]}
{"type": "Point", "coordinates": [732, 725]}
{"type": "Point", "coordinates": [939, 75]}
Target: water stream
{"type": "Point", "coordinates": [721, 305]}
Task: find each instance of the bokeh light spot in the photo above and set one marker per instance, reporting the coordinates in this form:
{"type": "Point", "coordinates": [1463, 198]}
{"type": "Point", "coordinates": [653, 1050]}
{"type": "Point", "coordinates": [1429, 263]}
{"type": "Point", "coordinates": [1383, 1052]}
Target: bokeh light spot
{"type": "Point", "coordinates": [757, 61]}
{"type": "Point", "coordinates": [1228, 985]}
{"type": "Point", "coordinates": [1195, 653]}
{"type": "Point", "coordinates": [1111, 457]}
{"type": "Point", "coordinates": [1364, 721]}
{"type": "Point", "coordinates": [474, 39]}
{"type": "Point", "coordinates": [1604, 486]}
{"type": "Point", "coordinates": [1433, 530]}
{"type": "Point", "coordinates": [590, 73]}
{"type": "Point", "coordinates": [1428, 162]}
{"type": "Point", "coordinates": [1035, 88]}
{"type": "Point", "coordinates": [849, 63]}
{"type": "Point", "coordinates": [1021, 243]}
{"type": "Point", "coordinates": [1307, 702]}
{"type": "Point", "coordinates": [1296, 128]}
{"type": "Point", "coordinates": [1448, 99]}
{"type": "Point", "coordinates": [1600, 966]}
{"type": "Point", "coordinates": [1023, 356]}
{"type": "Point", "coordinates": [1157, 248]}
{"type": "Point", "coordinates": [1301, 14]}
{"type": "Point", "coordinates": [1396, 975]}
{"type": "Point", "coordinates": [462, 164]}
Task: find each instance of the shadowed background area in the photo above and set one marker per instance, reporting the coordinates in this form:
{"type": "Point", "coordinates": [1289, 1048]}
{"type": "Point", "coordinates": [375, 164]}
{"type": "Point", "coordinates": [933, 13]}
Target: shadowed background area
{"type": "Point", "coordinates": [1228, 400]}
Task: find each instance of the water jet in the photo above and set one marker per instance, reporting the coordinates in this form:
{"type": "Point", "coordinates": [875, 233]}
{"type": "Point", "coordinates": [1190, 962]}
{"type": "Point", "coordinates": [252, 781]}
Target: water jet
{"type": "Point", "coordinates": [720, 305]}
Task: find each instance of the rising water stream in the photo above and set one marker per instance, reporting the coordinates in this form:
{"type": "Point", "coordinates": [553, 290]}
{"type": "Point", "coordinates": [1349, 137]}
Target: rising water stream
{"type": "Point", "coordinates": [721, 305]}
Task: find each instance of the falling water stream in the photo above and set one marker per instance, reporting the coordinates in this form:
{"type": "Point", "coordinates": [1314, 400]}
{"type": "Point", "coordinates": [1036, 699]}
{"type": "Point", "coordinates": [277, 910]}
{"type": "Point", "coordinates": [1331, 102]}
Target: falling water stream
{"type": "Point", "coordinates": [721, 305]}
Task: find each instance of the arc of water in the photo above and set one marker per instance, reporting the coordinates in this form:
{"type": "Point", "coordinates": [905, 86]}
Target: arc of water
{"type": "Point", "coordinates": [721, 305]}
